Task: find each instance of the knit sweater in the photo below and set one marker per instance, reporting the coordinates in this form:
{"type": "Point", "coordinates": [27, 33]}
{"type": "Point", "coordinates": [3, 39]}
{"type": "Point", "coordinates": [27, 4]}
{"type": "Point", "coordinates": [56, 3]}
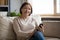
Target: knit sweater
{"type": "Point", "coordinates": [24, 26]}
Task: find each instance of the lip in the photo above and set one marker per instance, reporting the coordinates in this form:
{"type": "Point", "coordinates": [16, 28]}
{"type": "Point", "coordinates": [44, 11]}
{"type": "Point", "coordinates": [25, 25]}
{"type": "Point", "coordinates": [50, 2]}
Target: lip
{"type": "Point", "coordinates": [26, 12]}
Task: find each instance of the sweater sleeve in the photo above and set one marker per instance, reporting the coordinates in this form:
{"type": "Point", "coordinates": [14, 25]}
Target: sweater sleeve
{"type": "Point", "coordinates": [18, 30]}
{"type": "Point", "coordinates": [16, 27]}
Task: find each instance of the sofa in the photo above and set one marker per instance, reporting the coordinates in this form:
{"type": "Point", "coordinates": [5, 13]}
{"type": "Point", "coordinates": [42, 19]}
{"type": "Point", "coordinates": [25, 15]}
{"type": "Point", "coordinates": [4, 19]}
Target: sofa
{"type": "Point", "coordinates": [7, 32]}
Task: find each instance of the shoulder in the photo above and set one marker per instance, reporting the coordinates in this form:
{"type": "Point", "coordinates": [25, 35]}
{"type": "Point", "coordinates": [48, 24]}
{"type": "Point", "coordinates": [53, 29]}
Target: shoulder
{"type": "Point", "coordinates": [32, 18]}
{"type": "Point", "coordinates": [16, 18]}
{"type": "Point", "coordinates": [37, 19]}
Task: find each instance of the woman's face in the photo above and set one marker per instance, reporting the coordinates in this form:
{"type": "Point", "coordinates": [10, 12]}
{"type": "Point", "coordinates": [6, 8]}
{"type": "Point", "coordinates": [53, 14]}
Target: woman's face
{"type": "Point", "coordinates": [26, 10]}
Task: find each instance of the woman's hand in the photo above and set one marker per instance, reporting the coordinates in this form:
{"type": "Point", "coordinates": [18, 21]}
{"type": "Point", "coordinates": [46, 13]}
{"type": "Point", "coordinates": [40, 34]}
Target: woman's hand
{"type": "Point", "coordinates": [41, 28]}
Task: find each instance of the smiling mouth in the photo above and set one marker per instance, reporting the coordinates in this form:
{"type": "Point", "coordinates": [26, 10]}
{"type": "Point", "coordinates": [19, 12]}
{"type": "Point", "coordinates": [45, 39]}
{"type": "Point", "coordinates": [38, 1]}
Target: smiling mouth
{"type": "Point", "coordinates": [26, 12]}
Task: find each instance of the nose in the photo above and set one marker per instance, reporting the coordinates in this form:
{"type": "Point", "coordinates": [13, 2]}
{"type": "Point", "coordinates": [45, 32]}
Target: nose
{"type": "Point", "coordinates": [26, 10]}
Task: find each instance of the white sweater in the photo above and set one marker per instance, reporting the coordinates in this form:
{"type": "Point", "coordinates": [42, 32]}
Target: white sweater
{"type": "Point", "coordinates": [24, 26]}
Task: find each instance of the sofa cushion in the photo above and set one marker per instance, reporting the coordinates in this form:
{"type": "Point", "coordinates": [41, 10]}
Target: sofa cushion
{"type": "Point", "coordinates": [6, 30]}
{"type": "Point", "coordinates": [52, 29]}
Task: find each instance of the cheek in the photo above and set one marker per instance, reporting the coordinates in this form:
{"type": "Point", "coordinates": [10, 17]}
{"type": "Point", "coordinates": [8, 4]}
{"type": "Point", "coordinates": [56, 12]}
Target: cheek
{"type": "Point", "coordinates": [22, 11]}
{"type": "Point", "coordinates": [29, 11]}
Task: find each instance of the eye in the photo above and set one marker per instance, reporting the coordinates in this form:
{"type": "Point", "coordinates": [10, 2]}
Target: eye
{"type": "Point", "coordinates": [29, 8]}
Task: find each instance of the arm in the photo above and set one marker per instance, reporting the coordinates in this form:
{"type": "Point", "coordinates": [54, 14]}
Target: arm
{"type": "Point", "coordinates": [16, 27]}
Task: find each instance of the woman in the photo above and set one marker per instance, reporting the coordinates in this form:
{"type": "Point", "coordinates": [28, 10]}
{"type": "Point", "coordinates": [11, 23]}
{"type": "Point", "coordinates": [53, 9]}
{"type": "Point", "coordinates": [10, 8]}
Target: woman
{"type": "Point", "coordinates": [25, 25]}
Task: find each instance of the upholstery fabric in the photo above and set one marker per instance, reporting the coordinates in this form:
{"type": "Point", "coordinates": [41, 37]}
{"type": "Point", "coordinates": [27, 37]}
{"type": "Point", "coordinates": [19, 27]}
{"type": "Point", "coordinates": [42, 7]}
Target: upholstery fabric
{"type": "Point", "coordinates": [6, 30]}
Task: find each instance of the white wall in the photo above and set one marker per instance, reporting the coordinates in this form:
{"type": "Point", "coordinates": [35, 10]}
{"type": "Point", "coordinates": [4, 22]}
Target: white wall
{"type": "Point", "coordinates": [15, 5]}
{"type": "Point", "coordinates": [23, 1]}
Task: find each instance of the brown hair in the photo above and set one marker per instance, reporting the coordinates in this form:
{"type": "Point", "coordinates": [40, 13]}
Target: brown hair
{"type": "Point", "coordinates": [25, 3]}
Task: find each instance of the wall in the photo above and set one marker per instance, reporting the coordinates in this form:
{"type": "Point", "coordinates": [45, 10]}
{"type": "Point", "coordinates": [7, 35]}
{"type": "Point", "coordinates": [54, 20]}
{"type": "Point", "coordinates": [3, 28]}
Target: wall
{"type": "Point", "coordinates": [15, 5]}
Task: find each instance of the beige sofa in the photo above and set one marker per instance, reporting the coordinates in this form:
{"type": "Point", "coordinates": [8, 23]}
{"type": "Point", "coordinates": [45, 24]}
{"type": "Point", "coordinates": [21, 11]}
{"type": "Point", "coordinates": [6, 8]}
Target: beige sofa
{"type": "Point", "coordinates": [7, 32]}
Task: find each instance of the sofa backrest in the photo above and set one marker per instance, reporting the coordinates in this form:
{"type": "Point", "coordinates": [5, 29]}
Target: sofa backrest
{"type": "Point", "coordinates": [6, 29]}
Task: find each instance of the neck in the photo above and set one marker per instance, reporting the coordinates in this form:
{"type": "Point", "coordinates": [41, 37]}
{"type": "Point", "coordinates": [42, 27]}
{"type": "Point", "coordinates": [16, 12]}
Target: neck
{"type": "Point", "coordinates": [23, 17]}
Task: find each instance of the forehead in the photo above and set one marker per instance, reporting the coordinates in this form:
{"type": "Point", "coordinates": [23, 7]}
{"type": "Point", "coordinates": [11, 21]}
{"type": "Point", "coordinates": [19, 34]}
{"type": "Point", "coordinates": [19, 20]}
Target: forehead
{"type": "Point", "coordinates": [27, 5]}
